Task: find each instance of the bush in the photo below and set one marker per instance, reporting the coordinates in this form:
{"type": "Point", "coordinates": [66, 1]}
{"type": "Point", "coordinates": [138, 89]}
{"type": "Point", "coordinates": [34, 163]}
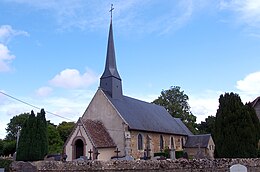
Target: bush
{"type": "Point", "coordinates": [179, 154]}
{"type": "Point", "coordinates": [1, 147]}
{"type": "Point", "coordinates": [160, 154]}
{"type": "Point", "coordinates": [167, 152]}
{"type": "Point", "coordinates": [9, 147]}
{"type": "Point", "coordinates": [5, 163]}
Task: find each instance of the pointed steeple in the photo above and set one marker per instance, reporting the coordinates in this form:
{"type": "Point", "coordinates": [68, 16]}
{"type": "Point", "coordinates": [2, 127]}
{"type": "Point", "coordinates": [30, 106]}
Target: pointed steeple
{"type": "Point", "coordinates": [110, 68]}
{"type": "Point", "coordinates": [110, 81]}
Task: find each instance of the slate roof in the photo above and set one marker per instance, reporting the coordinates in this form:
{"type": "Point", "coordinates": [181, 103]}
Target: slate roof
{"type": "Point", "coordinates": [194, 141]}
{"type": "Point", "coordinates": [255, 101]}
{"type": "Point", "coordinates": [98, 134]}
{"type": "Point", "coordinates": [144, 116]}
{"type": "Point", "coordinates": [183, 126]}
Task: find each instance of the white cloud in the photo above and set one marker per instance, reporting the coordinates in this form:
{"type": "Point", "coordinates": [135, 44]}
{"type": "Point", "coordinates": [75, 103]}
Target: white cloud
{"type": "Point", "coordinates": [246, 12]}
{"type": "Point", "coordinates": [5, 58]}
{"type": "Point", "coordinates": [7, 32]}
{"type": "Point", "coordinates": [250, 84]}
{"type": "Point", "coordinates": [71, 78]}
{"type": "Point", "coordinates": [203, 107]}
{"type": "Point", "coordinates": [44, 91]}
{"type": "Point", "coordinates": [249, 87]}
{"type": "Point", "coordinates": [204, 104]}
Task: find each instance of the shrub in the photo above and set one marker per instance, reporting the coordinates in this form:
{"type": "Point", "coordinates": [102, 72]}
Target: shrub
{"type": "Point", "coordinates": [5, 163]}
{"type": "Point", "coordinates": [179, 154]}
{"type": "Point", "coordinates": [160, 154]}
{"type": "Point", "coordinates": [9, 147]}
{"type": "Point", "coordinates": [167, 152]}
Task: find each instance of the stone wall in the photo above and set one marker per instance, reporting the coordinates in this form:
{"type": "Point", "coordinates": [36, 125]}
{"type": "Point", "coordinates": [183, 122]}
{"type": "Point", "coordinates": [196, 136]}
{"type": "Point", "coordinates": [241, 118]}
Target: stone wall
{"type": "Point", "coordinates": [154, 142]}
{"type": "Point", "coordinates": [180, 165]}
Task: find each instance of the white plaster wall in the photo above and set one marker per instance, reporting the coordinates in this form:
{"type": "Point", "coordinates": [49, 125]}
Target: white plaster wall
{"type": "Point", "coordinates": [105, 154]}
{"type": "Point", "coordinates": [100, 108]}
{"type": "Point", "coordinates": [79, 132]}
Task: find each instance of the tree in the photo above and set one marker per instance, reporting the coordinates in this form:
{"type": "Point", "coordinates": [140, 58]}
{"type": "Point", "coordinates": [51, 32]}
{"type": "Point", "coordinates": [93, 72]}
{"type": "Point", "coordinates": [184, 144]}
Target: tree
{"type": "Point", "coordinates": [33, 141]}
{"type": "Point", "coordinates": [1, 147]}
{"type": "Point", "coordinates": [235, 134]}
{"type": "Point", "coordinates": [54, 140]}
{"type": "Point", "coordinates": [26, 139]}
{"type": "Point", "coordinates": [42, 134]}
{"type": "Point", "coordinates": [65, 129]}
{"type": "Point", "coordinates": [14, 125]}
{"type": "Point", "coordinates": [207, 126]}
{"type": "Point", "coordinates": [176, 103]}
{"type": "Point", "coordinates": [9, 147]}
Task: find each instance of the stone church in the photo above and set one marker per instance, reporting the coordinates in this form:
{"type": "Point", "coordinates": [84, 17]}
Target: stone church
{"type": "Point", "coordinates": [115, 125]}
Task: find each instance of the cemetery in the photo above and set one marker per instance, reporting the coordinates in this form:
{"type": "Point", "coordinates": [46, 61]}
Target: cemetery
{"type": "Point", "coordinates": [120, 133]}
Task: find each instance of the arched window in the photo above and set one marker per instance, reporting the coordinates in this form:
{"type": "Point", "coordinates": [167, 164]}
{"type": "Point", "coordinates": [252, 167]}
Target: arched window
{"type": "Point", "coordinates": [172, 143]}
{"type": "Point", "coordinates": [140, 142]}
{"type": "Point", "coordinates": [182, 142]}
{"type": "Point", "coordinates": [161, 143]}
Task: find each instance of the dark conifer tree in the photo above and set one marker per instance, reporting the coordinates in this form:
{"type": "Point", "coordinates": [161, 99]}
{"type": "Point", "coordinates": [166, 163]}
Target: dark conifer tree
{"type": "Point", "coordinates": [33, 146]}
{"type": "Point", "coordinates": [235, 133]}
{"type": "Point", "coordinates": [42, 136]}
{"type": "Point", "coordinates": [33, 142]}
{"type": "Point", "coordinates": [25, 140]}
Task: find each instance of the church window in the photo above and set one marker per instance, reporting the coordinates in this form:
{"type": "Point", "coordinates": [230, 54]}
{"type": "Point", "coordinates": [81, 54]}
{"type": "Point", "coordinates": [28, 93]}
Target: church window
{"type": "Point", "coordinates": [140, 142]}
{"type": "Point", "coordinates": [182, 142]}
{"type": "Point", "coordinates": [161, 143]}
{"type": "Point", "coordinates": [172, 142]}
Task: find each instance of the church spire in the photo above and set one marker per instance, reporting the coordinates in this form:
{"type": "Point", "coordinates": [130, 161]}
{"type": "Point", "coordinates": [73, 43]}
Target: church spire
{"type": "Point", "coordinates": [110, 81]}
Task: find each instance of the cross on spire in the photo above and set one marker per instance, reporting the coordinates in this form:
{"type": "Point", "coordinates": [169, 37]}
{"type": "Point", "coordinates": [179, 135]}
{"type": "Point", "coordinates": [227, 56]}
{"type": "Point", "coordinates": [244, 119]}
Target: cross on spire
{"type": "Point", "coordinates": [111, 10]}
{"type": "Point", "coordinates": [110, 81]}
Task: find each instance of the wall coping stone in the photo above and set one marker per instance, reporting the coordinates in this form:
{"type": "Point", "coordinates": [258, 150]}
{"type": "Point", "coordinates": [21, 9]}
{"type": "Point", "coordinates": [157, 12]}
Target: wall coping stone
{"type": "Point", "coordinates": [179, 165]}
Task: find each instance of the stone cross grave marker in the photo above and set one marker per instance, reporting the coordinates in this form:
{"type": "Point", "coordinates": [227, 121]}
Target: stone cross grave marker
{"type": "Point", "coordinates": [238, 168]}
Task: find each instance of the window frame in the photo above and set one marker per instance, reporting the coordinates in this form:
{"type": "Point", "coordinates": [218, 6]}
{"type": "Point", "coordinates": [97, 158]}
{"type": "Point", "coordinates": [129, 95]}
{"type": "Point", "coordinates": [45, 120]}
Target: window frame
{"type": "Point", "coordinates": [161, 143]}
{"type": "Point", "coordinates": [140, 142]}
{"type": "Point", "coordinates": [172, 142]}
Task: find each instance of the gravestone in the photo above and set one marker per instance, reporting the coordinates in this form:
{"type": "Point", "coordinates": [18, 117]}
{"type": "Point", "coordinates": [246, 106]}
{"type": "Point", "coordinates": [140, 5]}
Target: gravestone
{"type": "Point", "coordinates": [2, 170]}
{"type": "Point", "coordinates": [238, 168]}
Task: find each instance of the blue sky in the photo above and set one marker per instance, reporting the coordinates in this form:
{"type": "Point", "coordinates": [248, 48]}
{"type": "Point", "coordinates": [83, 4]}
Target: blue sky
{"type": "Point", "coordinates": [52, 52]}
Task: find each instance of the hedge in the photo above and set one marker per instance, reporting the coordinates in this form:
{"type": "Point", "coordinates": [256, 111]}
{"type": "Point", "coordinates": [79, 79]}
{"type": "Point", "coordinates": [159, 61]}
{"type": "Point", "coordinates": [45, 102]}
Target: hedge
{"type": "Point", "coordinates": [5, 163]}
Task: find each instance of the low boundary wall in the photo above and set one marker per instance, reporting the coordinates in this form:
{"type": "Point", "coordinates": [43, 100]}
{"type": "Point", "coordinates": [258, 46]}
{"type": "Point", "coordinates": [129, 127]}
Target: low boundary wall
{"type": "Point", "coordinates": [180, 165]}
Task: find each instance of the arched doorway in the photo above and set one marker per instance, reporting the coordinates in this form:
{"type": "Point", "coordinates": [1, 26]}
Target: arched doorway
{"type": "Point", "coordinates": [79, 147]}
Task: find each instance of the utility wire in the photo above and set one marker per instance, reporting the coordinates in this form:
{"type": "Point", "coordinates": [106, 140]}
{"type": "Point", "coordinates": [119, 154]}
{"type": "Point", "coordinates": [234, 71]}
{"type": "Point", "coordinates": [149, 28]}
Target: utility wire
{"type": "Point", "coordinates": [19, 100]}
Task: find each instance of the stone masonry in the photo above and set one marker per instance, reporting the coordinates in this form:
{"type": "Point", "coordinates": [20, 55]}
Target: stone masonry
{"type": "Point", "coordinates": [180, 165]}
{"type": "Point", "coordinates": [154, 142]}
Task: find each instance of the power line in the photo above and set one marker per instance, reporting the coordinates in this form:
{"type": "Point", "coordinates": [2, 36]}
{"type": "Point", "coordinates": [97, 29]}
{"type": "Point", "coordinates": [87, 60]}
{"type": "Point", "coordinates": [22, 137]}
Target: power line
{"type": "Point", "coordinates": [29, 104]}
